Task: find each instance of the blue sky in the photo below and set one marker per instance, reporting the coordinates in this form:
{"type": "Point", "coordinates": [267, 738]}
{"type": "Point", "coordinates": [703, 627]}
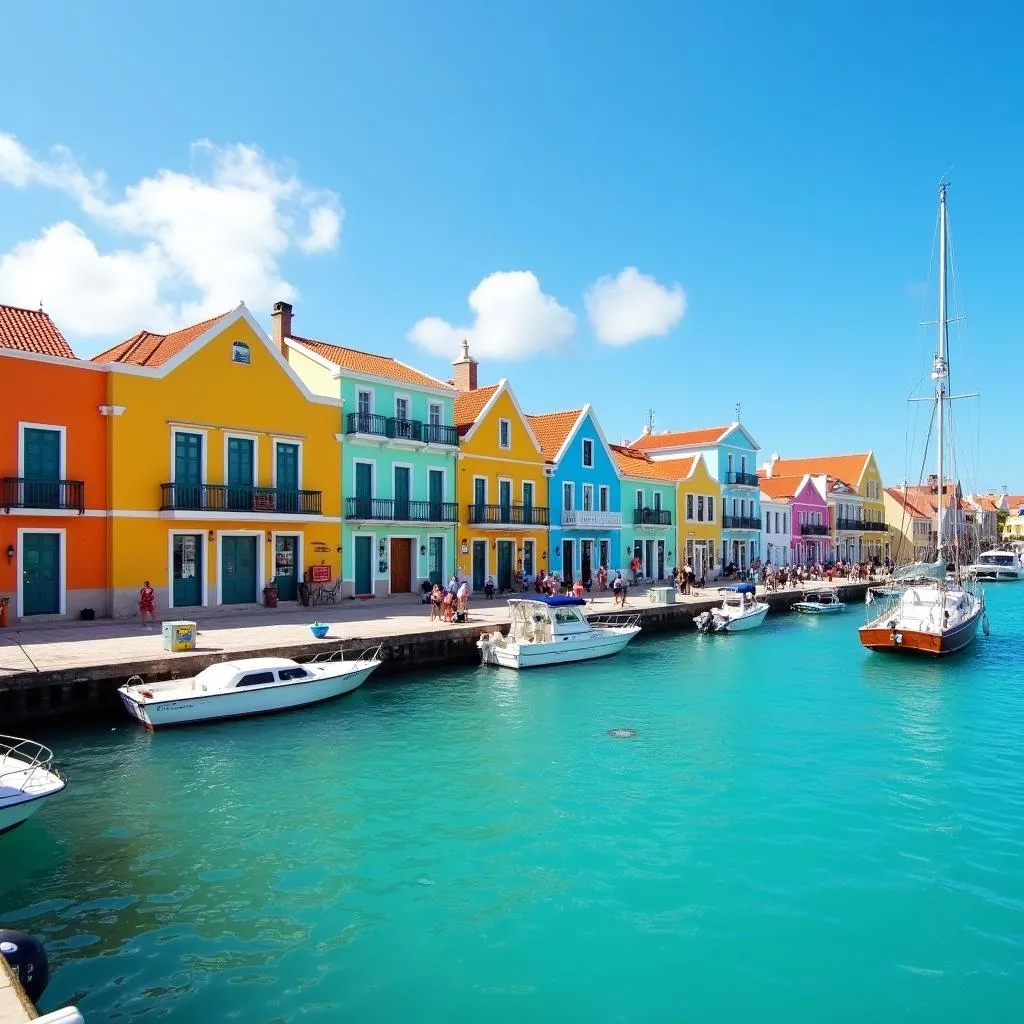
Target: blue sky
{"type": "Point", "coordinates": [777, 162]}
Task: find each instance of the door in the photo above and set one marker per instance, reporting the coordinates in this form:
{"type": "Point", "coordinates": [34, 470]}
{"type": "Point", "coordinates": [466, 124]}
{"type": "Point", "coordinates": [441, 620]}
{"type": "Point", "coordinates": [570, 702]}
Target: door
{"type": "Point", "coordinates": [506, 553]}
{"type": "Point", "coordinates": [40, 573]}
{"type": "Point", "coordinates": [586, 560]}
{"type": "Point", "coordinates": [364, 493]}
{"type": "Point", "coordinates": [187, 570]}
{"type": "Point", "coordinates": [505, 500]}
{"type": "Point", "coordinates": [238, 570]}
{"type": "Point", "coordinates": [661, 559]}
{"type": "Point", "coordinates": [479, 564]}
{"type": "Point", "coordinates": [42, 468]}
{"type": "Point", "coordinates": [479, 500]}
{"type": "Point", "coordinates": [435, 494]}
{"type": "Point", "coordinates": [287, 478]}
{"type": "Point", "coordinates": [363, 565]}
{"type": "Point", "coordinates": [402, 474]}
{"type": "Point", "coordinates": [528, 503]}
{"type": "Point", "coordinates": [240, 478]}
{"type": "Point", "coordinates": [528, 558]}
{"type": "Point", "coordinates": [188, 470]}
{"type": "Point", "coordinates": [286, 567]}
{"type": "Point", "coordinates": [649, 558]}
{"type": "Point", "coordinates": [435, 565]}
{"type": "Point", "coordinates": [605, 548]}
{"type": "Point", "coordinates": [638, 554]}
{"type": "Point", "coordinates": [568, 562]}
{"type": "Point", "coordinates": [401, 565]}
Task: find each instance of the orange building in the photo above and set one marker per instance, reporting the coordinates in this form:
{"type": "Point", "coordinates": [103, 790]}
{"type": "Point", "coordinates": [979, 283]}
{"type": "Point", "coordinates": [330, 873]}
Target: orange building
{"type": "Point", "coordinates": [53, 472]}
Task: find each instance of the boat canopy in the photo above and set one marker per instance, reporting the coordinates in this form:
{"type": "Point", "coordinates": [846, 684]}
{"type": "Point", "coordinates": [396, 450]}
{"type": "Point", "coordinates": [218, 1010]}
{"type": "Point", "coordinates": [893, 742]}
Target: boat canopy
{"type": "Point", "coordinates": [920, 571]}
{"type": "Point", "coordinates": [741, 588]}
{"type": "Point", "coordinates": [554, 601]}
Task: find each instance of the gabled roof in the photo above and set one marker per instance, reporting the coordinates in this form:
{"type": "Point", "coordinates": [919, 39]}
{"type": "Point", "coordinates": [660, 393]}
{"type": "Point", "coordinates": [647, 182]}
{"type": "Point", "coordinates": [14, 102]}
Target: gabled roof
{"type": "Point", "coordinates": [982, 502]}
{"type": "Point", "coordinates": [907, 504]}
{"type": "Point", "coordinates": [149, 349]}
{"type": "Point", "coordinates": [781, 488]}
{"type": "Point", "coordinates": [469, 405]}
{"type": "Point", "coordinates": [1014, 502]}
{"type": "Point", "coordinates": [843, 467]}
{"type": "Point", "coordinates": [32, 330]}
{"type": "Point", "coordinates": [370, 364]}
{"type": "Point", "coordinates": [633, 462]}
{"type": "Point", "coordinates": [681, 438]}
{"type": "Point", "coordinates": [552, 429]}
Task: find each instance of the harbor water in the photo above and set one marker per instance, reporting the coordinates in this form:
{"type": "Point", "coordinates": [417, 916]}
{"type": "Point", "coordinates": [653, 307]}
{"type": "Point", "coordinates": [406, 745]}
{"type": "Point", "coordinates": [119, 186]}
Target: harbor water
{"type": "Point", "coordinates": [797, 831]}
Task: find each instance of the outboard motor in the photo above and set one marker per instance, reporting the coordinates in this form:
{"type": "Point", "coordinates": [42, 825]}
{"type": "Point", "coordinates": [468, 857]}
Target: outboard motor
{"type": "Point", "coordinates": [703, 622]}
{"type": "Point", "coordinates": [27, 959]}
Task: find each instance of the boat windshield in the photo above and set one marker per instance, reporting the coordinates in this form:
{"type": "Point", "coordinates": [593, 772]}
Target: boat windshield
{"type": "Point", "coordinates": [920, 571]}
{"type": "Point", "coordinates": [1000, 558]}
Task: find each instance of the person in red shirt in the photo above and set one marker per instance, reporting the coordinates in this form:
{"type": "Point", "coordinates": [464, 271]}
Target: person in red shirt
{"type": "Point", "coordinates": [147, 604]}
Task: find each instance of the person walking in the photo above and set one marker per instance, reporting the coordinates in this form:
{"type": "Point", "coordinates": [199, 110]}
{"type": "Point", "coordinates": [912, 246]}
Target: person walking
{"type": "Point", "coordinates": [147, 605]}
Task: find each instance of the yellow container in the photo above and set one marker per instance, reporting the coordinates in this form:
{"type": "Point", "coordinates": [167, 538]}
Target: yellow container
{"type": "Point", "coordinates": [179, 636]}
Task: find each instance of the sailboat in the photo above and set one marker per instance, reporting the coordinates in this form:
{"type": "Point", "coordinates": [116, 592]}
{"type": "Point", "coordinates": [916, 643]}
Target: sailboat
{"type": "Point", "coordinates": [930, 609]}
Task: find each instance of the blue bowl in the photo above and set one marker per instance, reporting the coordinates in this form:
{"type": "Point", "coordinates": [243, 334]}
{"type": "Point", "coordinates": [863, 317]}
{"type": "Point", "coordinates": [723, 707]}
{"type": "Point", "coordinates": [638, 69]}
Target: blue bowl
{"type": "Point", "coordinates": [319, 630]}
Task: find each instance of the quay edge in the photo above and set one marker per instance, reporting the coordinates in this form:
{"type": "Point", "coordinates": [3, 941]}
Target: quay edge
{"type": "Point", "coordinates": [29, 697]}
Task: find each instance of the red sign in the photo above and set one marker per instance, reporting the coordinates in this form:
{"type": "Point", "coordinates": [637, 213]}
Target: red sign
{"type": "Point", "coordinates": [320, 573]}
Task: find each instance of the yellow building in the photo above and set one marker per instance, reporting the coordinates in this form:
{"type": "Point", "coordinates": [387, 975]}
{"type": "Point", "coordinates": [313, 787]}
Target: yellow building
{"type": "Point", "coordinates": [1013, 525]}
{"type": "Point", "coordinates": [699, 501]}
{"type": "Point", "coordinates": [501, 488]}
{"type": "Point", "coordinates": [225, 469]}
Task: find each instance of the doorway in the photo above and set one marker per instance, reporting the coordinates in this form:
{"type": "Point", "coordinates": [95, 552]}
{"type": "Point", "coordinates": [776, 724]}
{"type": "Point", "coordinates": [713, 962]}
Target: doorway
{"type": "Point", "coordinates": [40, 574]}
{"type": "Point", "coordinates": [586, 561]}
{"type": "Point", "coordinates": [435, 566]}
{"type": "Point", "coordinates": [238, 570]}
{"type": "Point", "coordinates": [506, 554]}
{"type": "Point", "coordinates": [479, 564]}
{"type": "Point", "coordinates": [286, 567]}
{"type": "Point", "coordinates": [363, 554]}
{"type": "Point", "coordinates": [240, 474]}
{"type": "Point", "coordinates": [661, 559]}
{"type": "Point", "coordinates": [402, 475]}
{"type": "Point", "coordinates": [567, 561]}
{"type": "Point", "coordinates": [648, 558]}
{"type": "Point", "coordinates": [187, 570]}
{"type": "Point", "coordinates": [401, 565]}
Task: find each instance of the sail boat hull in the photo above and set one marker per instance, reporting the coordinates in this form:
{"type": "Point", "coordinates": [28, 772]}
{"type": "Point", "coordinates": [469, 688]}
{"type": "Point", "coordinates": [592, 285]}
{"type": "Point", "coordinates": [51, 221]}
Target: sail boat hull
{"type": "Point", "coordinates": [893, 640]}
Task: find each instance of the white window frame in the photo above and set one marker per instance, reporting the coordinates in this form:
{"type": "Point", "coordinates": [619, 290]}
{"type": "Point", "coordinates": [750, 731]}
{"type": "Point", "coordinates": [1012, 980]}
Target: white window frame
{"type": "Point", "coordinates": [203, 567]}
{"type": "Point", "coordinates": [506, 425]}
{"type": "Point", "coordinates": [58, 428]}
{"type": "Point", "coordinates": [533, 493]}
{"type": "Point", "coordinates": [690, 508]}
{"type": "Point", "coordinates": [372, 463]}
{"type": "Point", "coordinates": [583, 453]}
{"type": "Point", "coordinates": [408, 407]}
{"type": "Point", "coordinates": [239, 435]}
{"type": "Point", "coordinates": [572, 496]}
{"type": "Point", "coordinates": [239, 344]}
{"type": "Point", "coordinates": [588, 492]}
{"type": "Point", "coordinates": [62, 580]}
{"type": "Point", "coordinates": [274, 442]}
{"type": "Point", "coordinates": [639, 497]}
{"type": "Point", "coordinates": [710, 507]}
{"type": "Point", "coordinates": [412, 479]}
{"type": "Point", "coordinates": [473, 502]}
{"type": "Point", "coordinates": [439, 409]}
{"type": "Point", "coordinates": [204, 454]}
{"type": "Point", "coordinates": [511, 490]}
{"type": "Point", "coordinates": [604, 497]}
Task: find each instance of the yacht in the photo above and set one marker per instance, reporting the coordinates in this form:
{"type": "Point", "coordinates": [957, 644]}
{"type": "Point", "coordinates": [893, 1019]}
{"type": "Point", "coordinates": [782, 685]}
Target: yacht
{"type": "Point", "coordinates": [27, 779]}
{"type": "Point", "coordinates": [820, 602]}
{"type": "Point", "coordinates": [740, 611]}
{"type": "Point", "coordinates": [997, 567]}
{"type": "Point", "coordinates": [554, 631]}
{"type": "Point", "coordinates": [249, 686]}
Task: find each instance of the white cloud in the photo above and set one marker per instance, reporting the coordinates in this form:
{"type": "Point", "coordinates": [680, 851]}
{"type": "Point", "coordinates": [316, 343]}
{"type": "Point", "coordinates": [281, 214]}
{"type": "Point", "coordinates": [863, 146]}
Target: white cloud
{"type": "Point", "coordinates": [195, 243]}
{"type": "Point", "coordinates": [514, 319]}
{"type": "Point", "coordinates": [633, 306]}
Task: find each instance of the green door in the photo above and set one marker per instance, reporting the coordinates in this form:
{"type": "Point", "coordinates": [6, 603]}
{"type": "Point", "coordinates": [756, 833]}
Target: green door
{"type": "Point", "coordinates": [286, 574]}
{"type": "Point", "coordinates": [287, 478]}
{"type": "Point", "coordinates": [42, 468]}
{"type": "Point", "coordinates": [506, 549]}
{"type": "Point", "coordinates": [364, 490]}
{"type": "Point", "coordinates": [188, 470]}
{"type": "Point", "coordinates": [40, 573]}
{"type": "Point", "coordinates": [364, 565]}
{"type": "Point", "coordinates": [401, 492]}
{"type": "Point", "coordinates": [505, 500]}
{"type": "Point", "coordinates": [479, 500]}
{"type": "Point", "coordinates": [479, 564]}
{"type": "Point", "coordinates": [238, 570]}
{"type": "Point", "coordinates": [435, 492]}
{"type": "Point", "coordinates": [436, 565]}
{"type": "Point", "coordinates": [527, 503]}
{"type": "Point", "coordinates": [240, 478]}
{"type": "Point", "coordinates": [187, 569]}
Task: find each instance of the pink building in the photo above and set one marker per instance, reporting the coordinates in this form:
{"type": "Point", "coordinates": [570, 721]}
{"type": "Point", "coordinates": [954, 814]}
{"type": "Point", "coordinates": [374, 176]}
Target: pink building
{"type": "Point", "coordinates": [808, 507]}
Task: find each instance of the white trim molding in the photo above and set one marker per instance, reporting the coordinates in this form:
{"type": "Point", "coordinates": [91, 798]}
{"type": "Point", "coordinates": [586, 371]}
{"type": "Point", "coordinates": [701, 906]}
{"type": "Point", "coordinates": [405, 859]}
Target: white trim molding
{"type": "Point", "coordinates": [55, 427]}
{"type": "Point", "coordinates": [62, 580]}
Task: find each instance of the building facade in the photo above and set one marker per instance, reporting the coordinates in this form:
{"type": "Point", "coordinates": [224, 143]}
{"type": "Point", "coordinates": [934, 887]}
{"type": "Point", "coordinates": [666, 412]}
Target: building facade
{"type": "Point", "coordinates": [649, 517]}
{"type": "Point", "coordinates": [776, 532]}
{"type": "Point", "coordinates": [699, 501]}
{"type": "Point", "coordinates": [810, 542]}
{"type": "Point", "coordinates": [912, 535]}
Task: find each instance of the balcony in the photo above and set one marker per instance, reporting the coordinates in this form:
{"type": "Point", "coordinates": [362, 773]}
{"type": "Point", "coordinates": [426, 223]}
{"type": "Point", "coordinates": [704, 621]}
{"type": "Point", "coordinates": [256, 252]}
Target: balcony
{"type": "Point", "coordinates": [18, 492]}
{"type": "Point", "coordinates": [741, 522]}
{"type": "Point", "coordinates": [857, 525]}
{"type": "Point", "coordinates": [876, 527]}
{"type": "Point", "coordinates": [742, 479]}
{"type": "Point", "coordinates": [401, 511]}
{"type": "Point", "coordinates": [400, 430]}
{"type": "Point", "coordinates": [814, 529]}
{"type": "Point", "coordinates": [652, 517]}
{"type": "Point", "coordinates": [573, 519]}
{"type": "Point", "coordinates": [507, 515]}
{"type": "Point", "coordinates": [222, 498]}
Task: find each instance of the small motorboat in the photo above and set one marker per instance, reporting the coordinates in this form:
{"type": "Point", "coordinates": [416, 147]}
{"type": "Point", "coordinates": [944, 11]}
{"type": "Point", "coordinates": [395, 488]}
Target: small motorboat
{"type": "Point", "coordinates": [249, 686]}
{"type": "Point", "coordinates": [740, 611]}
{"type": "Point", "coordinates": [27, 778]}
{"type": "Point", "coordinates": [996, 567]}
{"type": "Point", "coordinates": [820, 602]}
{"type": "Point", "coordinates": [553, 631]}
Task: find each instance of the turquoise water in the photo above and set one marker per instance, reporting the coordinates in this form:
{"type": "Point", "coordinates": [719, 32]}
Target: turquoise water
{"type": "Point", "coordinates": [799, 831]}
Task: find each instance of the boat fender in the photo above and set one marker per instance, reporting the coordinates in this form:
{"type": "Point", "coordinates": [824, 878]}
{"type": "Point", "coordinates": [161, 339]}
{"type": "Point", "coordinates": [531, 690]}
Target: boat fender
{"type": "Point", "coordinates": [984, 624]}
{"type": "Point", "coordinates": [27, 959]}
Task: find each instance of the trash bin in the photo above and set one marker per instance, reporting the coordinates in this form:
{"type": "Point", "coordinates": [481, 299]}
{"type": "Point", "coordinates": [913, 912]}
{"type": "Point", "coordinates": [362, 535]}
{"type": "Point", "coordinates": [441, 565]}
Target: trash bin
{"type": "Point", "coordinates": [179, 636]}
{"type": "Point", "coordinates": [270, 595]}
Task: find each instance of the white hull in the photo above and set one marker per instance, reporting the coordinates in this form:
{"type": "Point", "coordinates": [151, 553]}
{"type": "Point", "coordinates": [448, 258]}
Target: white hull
{"type": "Point", "coordinates": [748, 620]}
{"type": "Point", "coordinates": [600, 643]}
{"type": "Point", "coordinates": [995, 573]}
{"type": "Point", "coordinates": [26, 780]}
{"type": "Point", "coordinates": [13, 815]}
{"type": "Point", "coordinates": [245, 701]}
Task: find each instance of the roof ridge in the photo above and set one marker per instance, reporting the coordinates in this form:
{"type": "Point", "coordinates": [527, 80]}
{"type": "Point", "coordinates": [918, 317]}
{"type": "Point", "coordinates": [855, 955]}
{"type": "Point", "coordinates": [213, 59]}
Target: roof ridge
{"type": "Point", "coordinates": [25, 309]}
{"type": "Point", "coordinates": [557, 412]}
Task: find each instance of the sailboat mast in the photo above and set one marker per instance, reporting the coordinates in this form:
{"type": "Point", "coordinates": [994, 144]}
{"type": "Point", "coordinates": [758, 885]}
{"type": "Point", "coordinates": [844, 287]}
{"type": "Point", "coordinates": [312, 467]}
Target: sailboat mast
{"type": "Point", "coordinates": [940, 369]}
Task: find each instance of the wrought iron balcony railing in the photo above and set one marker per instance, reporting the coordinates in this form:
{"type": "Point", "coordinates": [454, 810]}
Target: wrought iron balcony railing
{"type": "Point", "coordinates": [402, 510]}
{"type": "Point", "coordinates": [229, 498]}
{"type": "Point", "coordinates": [403, 430]}
{"type": "Point", "coordinates": [652, 517]}
{"type": "Point", "coordinates": [814, 529]}
{"type": "Point", "coordinates": [741, 522]}
{"type": "Point", "coordinates": [742, 479]}
{"type": "Point", "coordinates": [507, 515]}
{"type": "Point", "coordinates": [23, 492]}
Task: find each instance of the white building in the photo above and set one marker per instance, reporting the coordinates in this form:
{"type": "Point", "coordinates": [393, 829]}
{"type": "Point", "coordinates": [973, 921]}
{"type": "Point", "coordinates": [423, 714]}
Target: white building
{"type": "Point", "coordinates": [776, 530]}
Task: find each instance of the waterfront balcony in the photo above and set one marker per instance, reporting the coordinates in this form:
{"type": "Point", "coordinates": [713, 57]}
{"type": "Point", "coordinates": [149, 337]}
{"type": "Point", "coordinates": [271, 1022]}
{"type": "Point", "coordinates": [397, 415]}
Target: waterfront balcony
{"type": "Point", "coordinates": [876, 527]}
{"type": "Point", "coordinates": [243, 500]}
{"type": "Point", "coordinates": [855, 525]}
{"type": "Point", "coordinates": [507, 515]}
{"type": "Point", "coordinates": [814, 529]}
{"type": "Point", "coordinates": [20, 492]}
{"type": "Point", "coordinates": [743, 479]}
{"type": "Point", "coordinates": [401, 510]}
{"type": "Point", "coordinates": [741, 522]}
{"type": "Point", "coordinates": [416, 431]}
{"type": "Point", "coordinates": [652, 517]}
{"type": "Point", "coordinates": [574, 519]}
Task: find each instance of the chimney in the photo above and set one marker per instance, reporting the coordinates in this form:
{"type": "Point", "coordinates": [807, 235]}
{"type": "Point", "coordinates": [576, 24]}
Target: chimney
{"type": "Point", "coordinates": [464, 370]}
{"type": "Point", "coordinates": [281, 320]}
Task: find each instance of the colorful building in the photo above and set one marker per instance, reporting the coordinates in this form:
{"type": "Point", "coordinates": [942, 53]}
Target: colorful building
{"type": "Point", "coordinates": [699, 501]}
{"type": "Point", "coordinates": [584, 494]}
{"type": "Point", "coordinates": [1013, 524]}
{"type": "Point", "coordinates": [650, 519]}
{"type": "Point", "coordinates": [225, 469]}
{"type": "Point", "coordinates": [911, 534]}
{"type": "Point", "coordinates": [399, 472]}
{"type": "Point", "coordinates": [777, 531]}
{"type": "Point", "coordinates": [54, 419]}
{"type": "Point", "coordinates": [502, 488]}
{"type": "Point", "coordinates": [804, 497]}
{"type": "Point", "coordinates": [731, 456]}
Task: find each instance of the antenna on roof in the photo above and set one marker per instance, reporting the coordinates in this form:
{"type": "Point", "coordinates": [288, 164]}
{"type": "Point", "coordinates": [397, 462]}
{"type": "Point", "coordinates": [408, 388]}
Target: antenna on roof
{"type": "Point", "coordinates": [650, 421]}
{"type": "Point", "coordinates": [40, 305]}
{"type": "Point", "coordinates": [737, 412]}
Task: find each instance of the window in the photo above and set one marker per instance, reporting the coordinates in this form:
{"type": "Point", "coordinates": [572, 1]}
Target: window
{"type": "Point", "coordinates": [776, 522]}
{"type": "Point", "coordinates": [240, 353]}
{"type": "Point", "coordinates": [603, 547]}
{"type": "Point", "coordinates": [434, 414]}
{"type": "Point", "coordinates": [588, 497]}
{"type": "Point", "coordinates": [767, 522]}
{"type": "Point", "coordinates": [657, 501]}
{"type": "Point", "coordinates": [743, 463]}
{"type": "Point", "coordinates": [689, 508]}
{"type": "Point", "coordinates": [528, 558]}
{"type": "Point", "coordinates": [527, 494]}
{"type": "Point", "coordinates": [292, 673]}
{"type": "Point", "coordinates": [504, 434]}
{"type": "Point", "coordinates": [255, 679]}
{"type": "Point", "coordinates": [734, 506]}
{"type": "Point", "coordinates": [567, 497]}
{"type": "Point", "coordinates": [401, 408]}
{"type": "Point", "coordinates": [639, 498]}
{"type": "Point", "coordinates": [711, 509]}
{"type": "Point", "coordinates": [588, 453]}
{"type": "Point", "coordinates": [602, 498]}
{"type": "Point", "coordinates": [730, 463]}
{"type": "Point", "coordinates": [364, 402]}
{"type": "Point", "coordinates": [785, 523]}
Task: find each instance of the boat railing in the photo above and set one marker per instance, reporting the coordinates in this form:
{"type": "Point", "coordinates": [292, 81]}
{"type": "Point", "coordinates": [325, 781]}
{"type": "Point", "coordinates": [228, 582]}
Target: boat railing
{"type": "Point", "coordinates": [370, 654]}
{"type": "Point", "coordinates": [621, 621]}
{"type": "Point", "coordinates": [27, 758]}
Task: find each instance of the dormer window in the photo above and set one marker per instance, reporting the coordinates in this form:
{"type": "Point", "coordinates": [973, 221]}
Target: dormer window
{"type": "Point", "coordinates": [504, 434]}
{"type": "Point", "coordinates": [240, 353]}
{"type": "Point", "coordinates": [588, 453]}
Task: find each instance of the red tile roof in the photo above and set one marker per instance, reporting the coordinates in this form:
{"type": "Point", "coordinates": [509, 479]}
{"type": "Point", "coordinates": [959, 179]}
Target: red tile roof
{"type": "Point", "coordinates": [680, 438]}
{"type": "Point", "coordinates": [907, 503]}
{"type": "Point", "coordinates": [371, 364]}
{"type": "Point", "coordinates": [551, 429]}
{"type": "Point", "coordinates": [844, 467]}
{"type": "Point", "coordinates": [32, 330]}
{"type": "Point", "coordinates": [779, 488]}
{"type": "Point", "coordinates": [149, 349]}
{"type": "Point", "coordinates": [636, 463]}
{"type": "Point", "coordinates": [1014, 502]}
{"type": "Point", "coordinates": [469, 405]}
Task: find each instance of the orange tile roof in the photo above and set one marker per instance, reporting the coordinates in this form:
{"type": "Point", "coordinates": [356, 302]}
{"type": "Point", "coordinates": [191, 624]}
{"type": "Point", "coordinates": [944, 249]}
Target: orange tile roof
{"type": "Point", "coordinates": [779, 487]}
{"type": "Point", "coordinates": [469, 405]}
{"type": "Point", "coordinates": [844, 467]}
{"type": "Point", "coordinates": [371, 364]}
{"type": "Point", "coordinates": [1014, 501]}
{"type": "Point", "coordinates": [551, 429]}
{"type": "Point", "coordinates": [905, 502]}
{"type": "Point", "coordinates": [680, 438]}
{"type": "Point", "coordinates": [32, 330]}
{"type": "Point", "coordinates": [636, 463]}
{"type": "Point", "coordinates": [149, 349]}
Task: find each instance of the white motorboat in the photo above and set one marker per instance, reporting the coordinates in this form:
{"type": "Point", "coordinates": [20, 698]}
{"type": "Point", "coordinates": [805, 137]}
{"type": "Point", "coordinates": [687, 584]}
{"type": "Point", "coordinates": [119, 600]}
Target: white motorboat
{"type": "Point", "coordinates": [997, 567]}
{"type": "Point", "coordinates": [740, 610]}
{"type": "Point", "coordinates": [553, 631]}
{"type": "Point", "coordinates": [27, 778]}
{"type": "Point", "coordinates": [820, 602]}
{"type": "Point", "coordinates": [249, 686]}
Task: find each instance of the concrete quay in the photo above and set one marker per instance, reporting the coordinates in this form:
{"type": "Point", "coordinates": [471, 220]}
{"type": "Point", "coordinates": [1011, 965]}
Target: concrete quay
{"type": "Point", "coordinates": [63, 669]}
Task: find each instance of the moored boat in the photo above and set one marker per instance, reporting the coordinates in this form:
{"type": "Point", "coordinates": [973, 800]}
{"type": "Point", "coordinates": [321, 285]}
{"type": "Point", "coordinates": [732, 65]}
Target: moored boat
{"type": "Point", "coordinates": [820, 602]}
{"type": "Point", "coordinates": [27, 779]}
{"type": "Point", "coordinates": [997, 567]}
{"type": "Point", "coordinates": [249, 686]}
{"type": "Point", "coordinates": [740, 610]}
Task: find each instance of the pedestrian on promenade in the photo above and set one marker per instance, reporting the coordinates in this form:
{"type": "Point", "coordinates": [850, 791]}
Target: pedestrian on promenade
{"type": "Point", "coordinates": [463, 596]}
{"type": "Point", "coordinates": [147, 605]}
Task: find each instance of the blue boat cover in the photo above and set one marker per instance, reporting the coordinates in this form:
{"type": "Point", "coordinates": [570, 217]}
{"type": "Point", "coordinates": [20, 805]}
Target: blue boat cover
{"type": "Point", "coordinates": [554, 601]}
{"type": "Point", "coordinates": [741, 588]}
